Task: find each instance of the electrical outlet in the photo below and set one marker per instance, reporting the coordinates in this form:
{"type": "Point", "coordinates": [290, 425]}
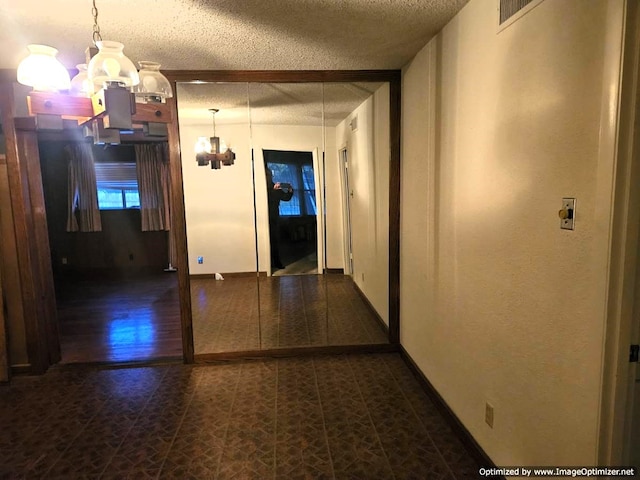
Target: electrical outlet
{"type": "Point", "coordinates": [200, 260]}
{"type": "Point", "coordinates": [488, 414]}
{"type": "Point", "coordinates": [64, 260]}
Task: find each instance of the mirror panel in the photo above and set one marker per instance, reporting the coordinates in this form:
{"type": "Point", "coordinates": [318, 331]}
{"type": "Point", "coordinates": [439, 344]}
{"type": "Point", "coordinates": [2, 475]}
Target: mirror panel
{"type": "Point", "coordinates": [287, 136]}
{"type": "Point", "coordinates": [334, 287]}
{"type": "Point", "coordinates": [357, 170]}
{"type": "Point", "coordinates": [220, 223]}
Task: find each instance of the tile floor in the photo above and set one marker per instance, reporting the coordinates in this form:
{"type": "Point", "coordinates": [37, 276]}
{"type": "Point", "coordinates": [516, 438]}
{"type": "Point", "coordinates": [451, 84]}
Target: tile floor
{"type": "Point", "coordinates": [333, 417]}
{"type": "Point", "coordinates": [242, 313]}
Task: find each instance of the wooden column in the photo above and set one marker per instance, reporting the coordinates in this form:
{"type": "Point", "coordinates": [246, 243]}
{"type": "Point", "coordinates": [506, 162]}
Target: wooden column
{"type": "Point", "coordinates": [32, 240]}
{"type": "Point", "coordinates": [4, 343]}
{"type": "Point", "coordinates": [179, 233]}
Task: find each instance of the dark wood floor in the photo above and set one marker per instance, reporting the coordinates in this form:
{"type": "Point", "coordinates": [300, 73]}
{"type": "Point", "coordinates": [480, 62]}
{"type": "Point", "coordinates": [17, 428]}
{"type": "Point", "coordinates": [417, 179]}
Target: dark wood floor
{"type": "Point", "coordinates": [138, 319]}
{"type": "Point", "coordinates": [119, 320]}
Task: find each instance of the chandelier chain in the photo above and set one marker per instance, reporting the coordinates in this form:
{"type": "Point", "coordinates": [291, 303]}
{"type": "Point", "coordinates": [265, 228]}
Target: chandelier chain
{"type": "Point", "coordinates": [214, 111]}
{"type": "Point", "coordinates": [96, 28]}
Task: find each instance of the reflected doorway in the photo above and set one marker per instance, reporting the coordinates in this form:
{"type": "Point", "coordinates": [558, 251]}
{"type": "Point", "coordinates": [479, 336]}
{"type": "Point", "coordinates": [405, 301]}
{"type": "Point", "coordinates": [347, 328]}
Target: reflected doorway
{"type": "Point", "coordinates": [293, 213]}
{"type": "Point", "coordinates": [347, 194]}
{"type": "Point", "coordinates": [117, 302]}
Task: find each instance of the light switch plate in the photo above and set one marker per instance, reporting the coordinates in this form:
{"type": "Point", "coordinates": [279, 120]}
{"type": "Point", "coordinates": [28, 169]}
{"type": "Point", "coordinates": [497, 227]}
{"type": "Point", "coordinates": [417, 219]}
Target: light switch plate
{"type": "Point", "coordinates": [568, 204]}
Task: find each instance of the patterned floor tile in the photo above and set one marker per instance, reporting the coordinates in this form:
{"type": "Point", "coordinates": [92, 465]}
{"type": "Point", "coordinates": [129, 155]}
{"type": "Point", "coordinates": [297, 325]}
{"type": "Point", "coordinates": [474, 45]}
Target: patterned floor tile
{"type": "Point", "coordinates": [334, 417]}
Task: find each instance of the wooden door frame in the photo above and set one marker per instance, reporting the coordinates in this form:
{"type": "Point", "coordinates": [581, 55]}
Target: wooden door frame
{"type": "Point", "coordinates": [32, 237]}
{"type": "Point", "coordinates": [393, 77]}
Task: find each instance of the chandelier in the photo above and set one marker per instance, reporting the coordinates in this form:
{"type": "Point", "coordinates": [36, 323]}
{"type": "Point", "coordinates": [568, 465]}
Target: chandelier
{"type": "Point", "coordinates": [108, 97]}
{"type": "Point", "coordinates": [213, 151]}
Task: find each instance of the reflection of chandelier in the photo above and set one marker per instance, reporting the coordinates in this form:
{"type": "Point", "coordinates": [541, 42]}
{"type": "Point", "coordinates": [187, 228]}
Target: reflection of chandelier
{"type": "Point", "coordinates": [102, 97]}
{"type": "Point", "coordinates": [212, 150]}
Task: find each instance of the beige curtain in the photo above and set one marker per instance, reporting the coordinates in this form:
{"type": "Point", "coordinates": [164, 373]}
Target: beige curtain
{"type": "Point", "coordinates": [152, 168]}
{"type": "Point", "coordinates": [83, 214]}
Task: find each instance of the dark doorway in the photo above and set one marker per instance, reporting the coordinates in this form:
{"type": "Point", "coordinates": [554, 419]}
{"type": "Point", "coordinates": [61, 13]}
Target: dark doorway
{"type": "Point", "coordinates": [115, 302]}
{"type": "Point", "coordinates": [292, 218]}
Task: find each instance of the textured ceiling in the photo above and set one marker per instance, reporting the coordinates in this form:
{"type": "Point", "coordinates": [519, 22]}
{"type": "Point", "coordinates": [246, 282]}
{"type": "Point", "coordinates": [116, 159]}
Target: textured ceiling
{"type": "Point", "coordinates": [271, 103]}
{"type": "Point", "coordinates": [231, 34]}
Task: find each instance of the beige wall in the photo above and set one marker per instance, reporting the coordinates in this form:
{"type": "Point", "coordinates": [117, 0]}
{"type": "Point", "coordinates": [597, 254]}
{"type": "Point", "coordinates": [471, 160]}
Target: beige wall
{"type": "Point", "coordinates": [497, 303]}
{"type": "Point", "coordinates": [368, 158]}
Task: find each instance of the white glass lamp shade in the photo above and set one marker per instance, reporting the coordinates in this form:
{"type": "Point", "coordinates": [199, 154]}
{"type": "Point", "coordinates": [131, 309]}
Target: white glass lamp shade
{"type": "Point", "coordinates": [81, 86]}
{"type": "Point", "coordinates": [111, 65]}
{"type": "Point", "coordinates": [153, 85]}
{"type": "Point", "coordinates": [42, 70]}
{"type": "Point", "coordinates": [203, 145]}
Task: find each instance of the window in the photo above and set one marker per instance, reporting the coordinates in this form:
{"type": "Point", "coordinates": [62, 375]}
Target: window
{"type": "Point", "coordinates": [300, 176]}
{"type": "Point", "coordinates": [117, 185]}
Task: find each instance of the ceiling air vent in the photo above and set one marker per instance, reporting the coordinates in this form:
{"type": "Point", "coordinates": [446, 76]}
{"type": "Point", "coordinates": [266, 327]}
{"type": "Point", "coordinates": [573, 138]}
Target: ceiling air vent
{"type": "Point", "coordinates": [510, 10]}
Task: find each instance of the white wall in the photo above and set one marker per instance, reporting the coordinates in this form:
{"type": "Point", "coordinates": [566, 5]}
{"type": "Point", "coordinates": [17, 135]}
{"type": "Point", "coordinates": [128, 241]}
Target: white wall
{"type": "Point", "coordinates": [497, 303]}
{"type": "Point", "coordinates": [219, 206]}
{"type": "Point", "coordinates": [368, 157]}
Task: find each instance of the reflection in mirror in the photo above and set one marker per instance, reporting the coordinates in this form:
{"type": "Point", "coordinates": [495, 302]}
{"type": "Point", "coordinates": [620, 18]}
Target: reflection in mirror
{"type": "Point", "coordinates": [287, 136]}
{"type": "Point", "coordinates": [357, 204]}
{"type": "Point", "coordinates": [322, 249]}
{"type": "Point", "coordinates": [219, 213]}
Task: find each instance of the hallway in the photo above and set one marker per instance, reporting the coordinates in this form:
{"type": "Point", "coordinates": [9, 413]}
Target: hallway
{"type": "Point", "coordinates": [355, 416]}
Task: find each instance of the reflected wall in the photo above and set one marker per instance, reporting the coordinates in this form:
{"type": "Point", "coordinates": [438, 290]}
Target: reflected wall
{"type": "Point", "coordinates": [345, 128]}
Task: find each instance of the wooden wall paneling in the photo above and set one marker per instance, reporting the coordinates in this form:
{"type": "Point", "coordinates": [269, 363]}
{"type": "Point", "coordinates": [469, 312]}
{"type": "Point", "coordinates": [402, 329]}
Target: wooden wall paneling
{"type": "Point", "coordinates": [282, 76]}
{"type": "Point", "coordinates": [4, 343]}
{"type": "Point", "coordinates": [24, 231]}
{"type": "Point", "coordinates": [10, 271]}
{"type": "Point", "coordinates": [179, 233]}
{"type": "Point", "coordinates": [46, 299]}
{"type": "Point", "coordinates": [27, 205]}
{"type": "Point", "coordinates": [394, 210]}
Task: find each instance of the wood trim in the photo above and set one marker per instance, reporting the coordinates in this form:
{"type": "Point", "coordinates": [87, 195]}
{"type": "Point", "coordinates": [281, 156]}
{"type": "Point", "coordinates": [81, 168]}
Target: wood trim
{"type": "Point", "coordinates": [394, 210]}
{"type": "Point", "coordinates": [24, 231]}
{"type": "Point", "coordinates": [22, 370]}
{"type": "Point", "coordinates": [43, 270]}
{"type": "Point", "coordinates": [394, 78]}
{"type": "Point", "coordinates": [5, 364]}
{"type": "Point", "coordinates": [48, 103]}
{"type": "Point", "coordinates": [25, 123]}
{"type": "Point", "coordinates": [211, 276]}
{"type": "Point", "coordinates": [297, 352]}
{"type": "Point", "coordinates": [283, 76]}
{"type": "Point", "coordinates": [108, 365]}
{"type": "Point", "coordinates": [179, 228]}
{"type": "Point", "coordinates": [470, 444]}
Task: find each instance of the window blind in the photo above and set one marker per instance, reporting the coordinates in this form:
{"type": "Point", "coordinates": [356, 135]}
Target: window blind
{"type": "Point", "coordinates": [116, 175]}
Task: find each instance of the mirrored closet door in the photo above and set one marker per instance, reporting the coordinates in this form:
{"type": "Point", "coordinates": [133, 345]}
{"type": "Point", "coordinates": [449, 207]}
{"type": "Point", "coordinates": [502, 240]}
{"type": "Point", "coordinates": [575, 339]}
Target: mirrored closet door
{"type": "Point", "coordinates": [288, 246]}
